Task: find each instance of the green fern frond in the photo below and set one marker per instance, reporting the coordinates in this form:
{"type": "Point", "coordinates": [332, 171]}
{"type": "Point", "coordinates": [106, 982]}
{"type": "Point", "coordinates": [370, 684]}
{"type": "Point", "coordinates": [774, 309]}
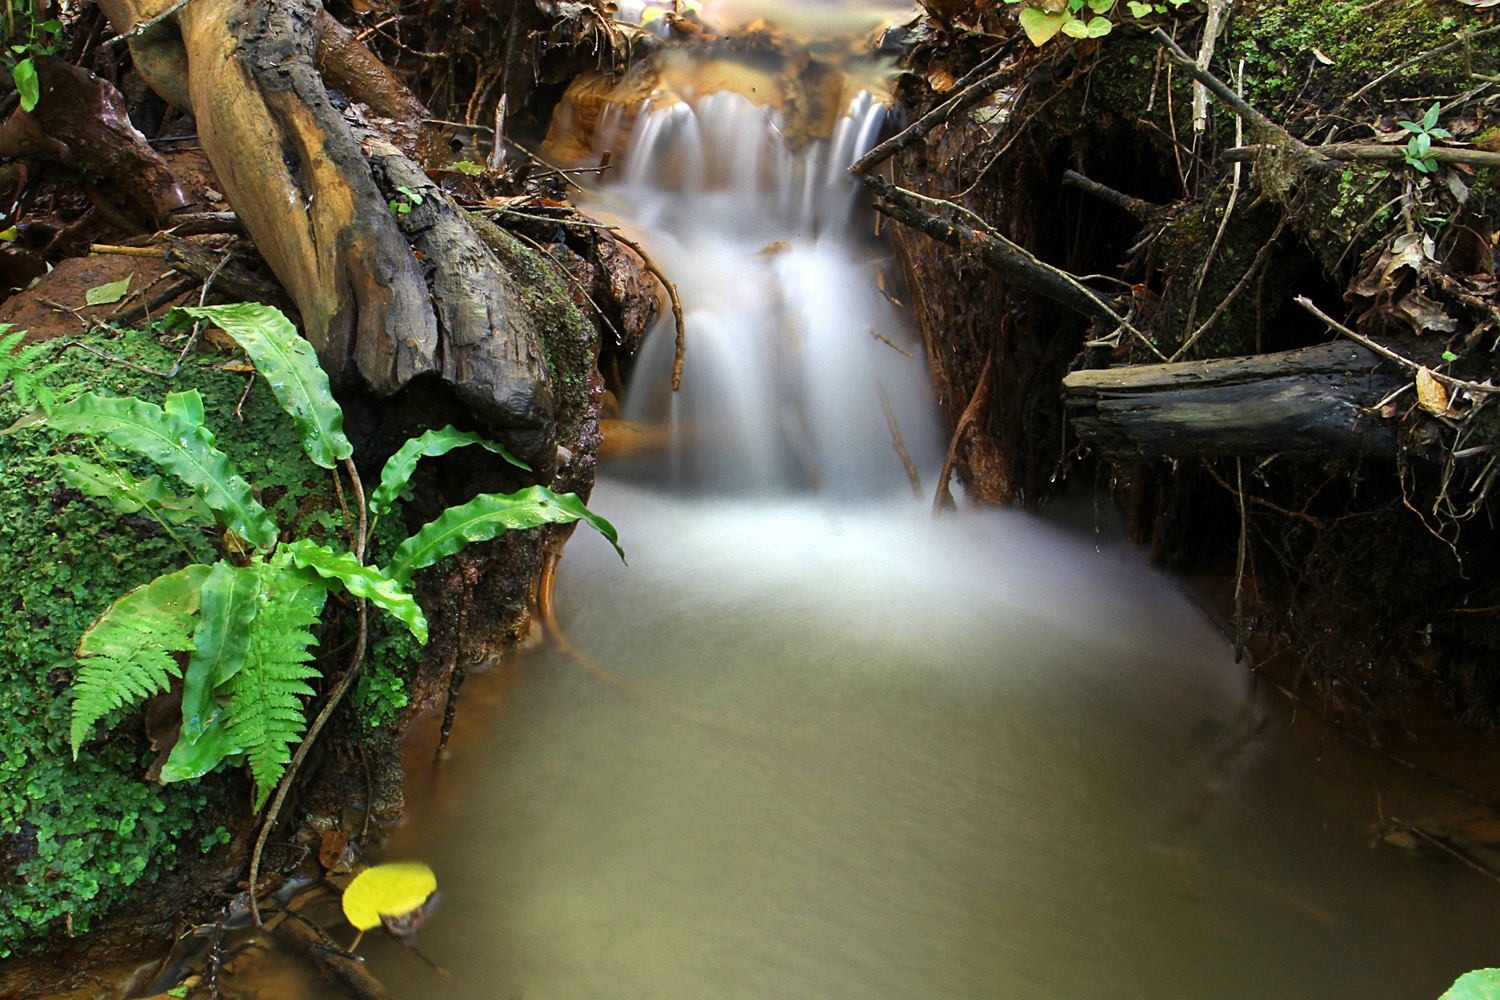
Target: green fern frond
{"type": "Point", "coordinates": [265, 698]}
{"type": "Point", "coordinates": [126, 656]}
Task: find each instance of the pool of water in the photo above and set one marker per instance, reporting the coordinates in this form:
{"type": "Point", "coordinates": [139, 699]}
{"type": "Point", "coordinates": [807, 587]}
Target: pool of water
{"type": "Point", "coordinates": [814, 749]}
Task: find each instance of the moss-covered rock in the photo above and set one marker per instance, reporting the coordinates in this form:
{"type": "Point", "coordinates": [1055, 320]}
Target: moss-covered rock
{"type": "Point", "coordinates": [80, 835]}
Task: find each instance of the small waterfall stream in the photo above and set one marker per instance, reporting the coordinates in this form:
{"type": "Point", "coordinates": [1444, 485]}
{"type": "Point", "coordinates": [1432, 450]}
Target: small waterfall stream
{"type": "Point", "coordinates": [852, 752]}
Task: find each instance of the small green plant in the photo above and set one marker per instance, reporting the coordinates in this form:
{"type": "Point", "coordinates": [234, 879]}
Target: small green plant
{"type": "Point", "coordinates": [23, 368]}
{"type": "Point", "coordinates": [1043, 19]}
{"type": "Point", "coordinates": [468, 168]}
{"type": "Point", "coordinates": [25, 38]}
{"type": "Point", "coordinates": [1419, 153]}
{"type": "Point", "coordinates": [245, 624]}
{"type": "Point", "coordinates": [402, 207]}
{"type": "Point", "coordinates": [1481, 984]}
{"type": "Point", "coordinates": [1146, 9]}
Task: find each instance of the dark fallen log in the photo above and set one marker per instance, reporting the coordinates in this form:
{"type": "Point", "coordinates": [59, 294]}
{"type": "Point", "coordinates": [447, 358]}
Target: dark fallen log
{"type": "Point", "coordinates": [1315, 401]}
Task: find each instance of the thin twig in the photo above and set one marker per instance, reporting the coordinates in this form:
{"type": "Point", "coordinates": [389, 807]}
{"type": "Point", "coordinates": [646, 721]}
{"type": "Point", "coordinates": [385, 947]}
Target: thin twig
{"type": "Point", "coordinates": [268, 820]}
{"type": "Point", "coordinates": [1213, 248]}
{"type": "Point", "coordinates": [1234, 293]}
{"type": "Point", "coordinates": [1463, 39]}
{"type": "Point", "coordinates": [967, 92]}
{"type": "Point", "coordinates": [1374, 152]}
{"type": "Point", "coordinates": [144, 26]}
{"type": "Point", "coordinates": [192, 340]}
{"type": "Point", "coordinates": [900, 445]}
{"type": "Point", "coordinates": [1239, 563]}
{"type": "Point", "coordinates": [1213, 25]}
{"type": "Point", "coordinates": [1448, 849]}
{"type": "Point", "coordinates": [1478, 388]}
{"type": "Point", "coordinates": [110, 248]}
{"type": "Point", "coordinates": [676, 305]}
{"type": "Point", "coordinates": [1237, 103]}
{"type": "Point", "coordinates": [1141, 209]}
{"type": "Point", "coordinates": [887, 341]}
{"type": "Point", "coordinates": [971, 411]}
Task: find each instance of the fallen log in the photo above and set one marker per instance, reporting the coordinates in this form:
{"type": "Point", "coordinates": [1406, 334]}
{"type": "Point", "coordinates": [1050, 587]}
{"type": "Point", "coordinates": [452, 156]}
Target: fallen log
{"type": "Point", "coordinates": [1314, 401]}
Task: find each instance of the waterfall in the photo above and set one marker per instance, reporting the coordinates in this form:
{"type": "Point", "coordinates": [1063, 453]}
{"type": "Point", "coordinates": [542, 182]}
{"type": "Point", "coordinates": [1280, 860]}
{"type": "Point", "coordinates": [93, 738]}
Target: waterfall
{"type": "Point", "coordinates": [793, 352]}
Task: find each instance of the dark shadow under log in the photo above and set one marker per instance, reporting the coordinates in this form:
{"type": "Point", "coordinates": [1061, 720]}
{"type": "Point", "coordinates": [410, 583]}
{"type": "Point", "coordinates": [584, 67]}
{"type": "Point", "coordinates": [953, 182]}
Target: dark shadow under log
{"type": "Point", "coordinates": [1314, 401]}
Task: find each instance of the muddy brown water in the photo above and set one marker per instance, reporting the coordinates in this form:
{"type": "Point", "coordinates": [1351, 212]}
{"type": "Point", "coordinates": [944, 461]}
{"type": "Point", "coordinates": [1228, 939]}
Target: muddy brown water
{"type": "Point", "coordinates": [834, 751]}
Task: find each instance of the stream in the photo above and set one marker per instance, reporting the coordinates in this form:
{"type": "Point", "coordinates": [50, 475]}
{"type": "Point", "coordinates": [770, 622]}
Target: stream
{"type": "Point", "coordinates": [814, 742]}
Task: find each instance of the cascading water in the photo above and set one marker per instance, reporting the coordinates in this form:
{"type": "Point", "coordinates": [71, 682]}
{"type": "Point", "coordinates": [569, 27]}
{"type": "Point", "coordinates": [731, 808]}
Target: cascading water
{"type": "Point", "coordinates": [793, 357]}
{"type": "Point", "coordinates": [821, 745]}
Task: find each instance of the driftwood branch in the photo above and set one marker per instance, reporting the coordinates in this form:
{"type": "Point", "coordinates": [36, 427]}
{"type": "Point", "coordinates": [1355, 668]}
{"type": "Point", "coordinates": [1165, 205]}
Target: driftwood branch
{"type": "Point", "coordinates": [1012, 260]}
{"type": "Point", "coordinates": [967, 92]}
{"type": "Point", "coordinates": [1314, 401]}
{"type": "Point", "coordinates": [1141, 209]}
{"type": "Point", "coordinates": [1375, 152]}
{"type": "Point", "coordinates": [1240, 106]}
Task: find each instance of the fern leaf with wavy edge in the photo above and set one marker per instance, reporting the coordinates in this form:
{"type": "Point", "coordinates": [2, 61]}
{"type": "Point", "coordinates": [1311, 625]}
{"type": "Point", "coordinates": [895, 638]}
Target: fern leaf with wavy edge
{"type": "Point", "coordinates": [126, 656]}
{"type": "Point", "coordinates": [264, 713]}
{"type": "Point", "coordinates": [488, 515]}
{"type": "Point", "coordinates": [290, 366]}
{"type": "Point", "coordinates": [176, 446]}
{"type": "Point", "coordinates": [362, 581]}
{"type": "Point", "coordinates": [129, 495]}
{"type": "Point", "coordinates": [400, 466]}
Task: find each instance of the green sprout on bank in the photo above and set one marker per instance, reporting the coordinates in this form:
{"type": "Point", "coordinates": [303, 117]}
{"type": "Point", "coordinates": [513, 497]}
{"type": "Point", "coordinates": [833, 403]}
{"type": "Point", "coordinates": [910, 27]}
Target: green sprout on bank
{"type": "Point", "coordinates": [41, 38]}
{"type": "Point", "coordinates": [400, 207]}
{"type": "Point", "coordinates": [1420, 155]}
{"type": "Point", "coordinates": [1042, 20]}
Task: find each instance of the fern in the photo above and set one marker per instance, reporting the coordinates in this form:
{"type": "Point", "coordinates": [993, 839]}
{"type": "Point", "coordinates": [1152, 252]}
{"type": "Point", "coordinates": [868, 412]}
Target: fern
{"type": "Point", "coordinates": [265, 697]}
{"type": "Point", "coordinates": [126, 656]}
{"type": "Point", "coordinates": [23, 371]}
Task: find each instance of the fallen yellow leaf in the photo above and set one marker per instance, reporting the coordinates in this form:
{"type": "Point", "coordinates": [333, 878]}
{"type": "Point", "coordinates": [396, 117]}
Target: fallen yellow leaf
{"type": "Point", "coordinates": [387, 890]}
{"type": "Point", "coordinates": [1430, 394]}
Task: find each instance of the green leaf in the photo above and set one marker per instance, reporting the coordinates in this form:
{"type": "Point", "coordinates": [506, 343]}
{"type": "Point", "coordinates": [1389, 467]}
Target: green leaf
{"type": "Point", "coordinates": [1101, 6]}
{"type": "Point", "coordinates": [399, 467]}
{"type": "Point", "coordinates": [1074, 28]}
{"type": "Point", "coordinates": [189, 760]}
{"type": "Point", "coordinates": [1423, 143]}
{"type": "Point", "coordinates": [488, 515]}
{"type": "Point", "coordinates": [363, 581]}
{"type": "Point", "coordinates": [1431, 117]}
{"type": "Point", "coordinates": [1411, 126]}
{"type": "Point", "coordinates": [1039, 25]}
{"type": "Point", "coordinates": [128, 495]}
{"type": "Point", "coordinates": [186, 406]}
{"type": "Point", "coordinates": [229, 603]}
{"type": "Point", "coordinates": [126, 656]}
{"type": "Point", "coordinates": [175, 445]}
{"type": "Point", "coordinates": [290, 366]}
{"type": "Point", "coordinates": [1481, 984]}
{"type": "Point", "coordinates": [264, 715]}
{"type": "Point", "coordinates": [471, 169]}
{"type": "Point", "coordinates": [27, 85]}
{"type": "Point", "coordinates": [1138, 9]}
{"type": "Point", "coordinates": [1098, 27]}
{"type": "Point", "coordinates": [1440, 133]}
{"type": "Point", "coordinates": [1449, 356]}
{"type": "Point", "coordinates": [103, 295]}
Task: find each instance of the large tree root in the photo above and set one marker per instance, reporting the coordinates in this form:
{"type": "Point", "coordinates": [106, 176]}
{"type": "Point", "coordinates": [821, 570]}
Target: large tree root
{"type": "Point", "coordinates": [317, 199]}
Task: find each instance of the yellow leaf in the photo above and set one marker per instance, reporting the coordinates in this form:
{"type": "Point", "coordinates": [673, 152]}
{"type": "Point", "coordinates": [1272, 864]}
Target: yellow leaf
{"type": "Point", "coordinates": [387, 890]}
{"type": "Point", "coordinates": [1040, 26]}
{"type": "Point", "coordinates": [1430, 394]}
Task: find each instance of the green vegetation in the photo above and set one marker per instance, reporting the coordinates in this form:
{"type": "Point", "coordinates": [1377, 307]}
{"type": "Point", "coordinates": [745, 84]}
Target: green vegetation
{"type": "Point", "coordinates": [76, 836]}
{"type": "Point", "coordinates": [1419, 154]}
{"type": "Point", "coordinates": [246, 617]}
{"type": "Point", "coordinates": [247, 624]}
{"type": "Point", "coordinates": [1481, 984]}
{"type": "Point", "coordinates": [1042, 20]}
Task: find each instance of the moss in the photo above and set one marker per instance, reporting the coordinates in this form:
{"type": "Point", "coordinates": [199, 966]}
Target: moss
{"type": "Point", "coordinates": [1276, 38]}
{"type": "Point", "coordinates": [568, 338]}
{"type": "Point", "coordinates": [78, 835]}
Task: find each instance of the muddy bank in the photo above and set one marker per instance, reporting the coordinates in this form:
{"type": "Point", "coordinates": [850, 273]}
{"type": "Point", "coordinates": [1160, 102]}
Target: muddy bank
{"type": "Point", "coordinates": [1362, 554]}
